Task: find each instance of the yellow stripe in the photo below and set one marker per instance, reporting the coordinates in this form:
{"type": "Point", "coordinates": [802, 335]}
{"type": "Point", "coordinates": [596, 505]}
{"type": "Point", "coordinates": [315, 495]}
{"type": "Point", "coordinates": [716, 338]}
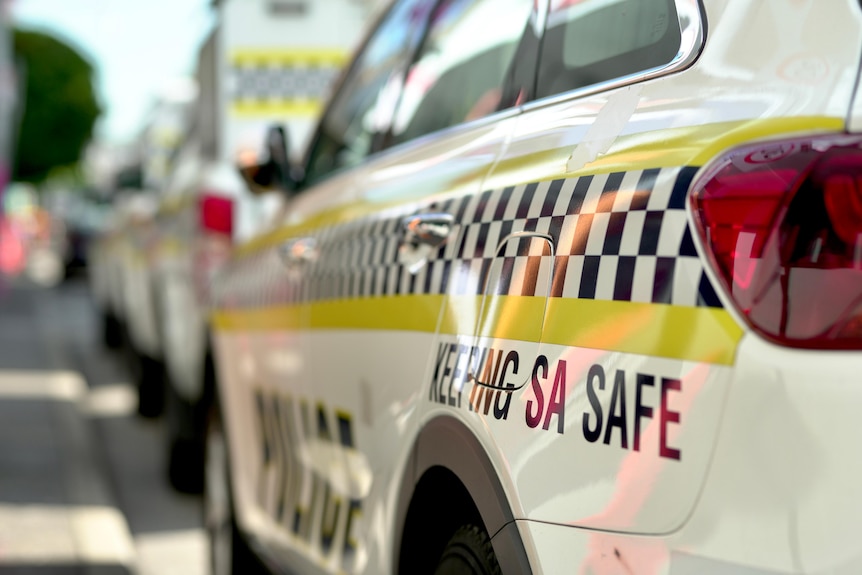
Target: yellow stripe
{"type": "Point", "coordinates": [172, 246]}
{"type": "Point", "coordinates": [253, 109]}
{"type": "Point", "coordinates": [685, 333]}
{"type": "Point", "coordinates": [678, 147]}
{"type": "Point", "coordinates": [506, 321]}
{"type": "Point", "coordinates": [690, 333]}
{"type": "Point", "coordinates": [332, 57]}
{"type": "Point", "coordinates": [322, 219]}
{"type": "Point", "coordinates": [399, 313]}
{"type": "Point", "coordinates": [696, 145]}
{"type": "Point", "coordinates": [174, 204]}
{"type": "Point", "coordinates": [281, 318]}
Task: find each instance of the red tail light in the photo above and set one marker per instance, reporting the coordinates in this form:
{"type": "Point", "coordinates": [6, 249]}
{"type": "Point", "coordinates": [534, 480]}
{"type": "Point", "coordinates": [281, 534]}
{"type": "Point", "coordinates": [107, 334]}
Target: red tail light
{"type": "Point", "coordinates": [783, 226]}
{"type": "Point", "coordinates": [216, 213]}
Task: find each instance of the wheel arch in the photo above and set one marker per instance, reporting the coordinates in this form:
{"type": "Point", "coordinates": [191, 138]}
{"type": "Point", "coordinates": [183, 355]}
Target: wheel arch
{"type": "Point", "coordinates": [449, 470]}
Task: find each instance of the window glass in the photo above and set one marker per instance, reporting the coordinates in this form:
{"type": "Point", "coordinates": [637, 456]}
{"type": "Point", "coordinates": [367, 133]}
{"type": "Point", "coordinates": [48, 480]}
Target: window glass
{"type": "Point", "coordinates": [520, 83]}
{"type": "Point", "coordinates": [361, 110]}
{"type": "Point", "coordinates": [462, 65]}
{"type": "Point", "coordinates": [591, 41]}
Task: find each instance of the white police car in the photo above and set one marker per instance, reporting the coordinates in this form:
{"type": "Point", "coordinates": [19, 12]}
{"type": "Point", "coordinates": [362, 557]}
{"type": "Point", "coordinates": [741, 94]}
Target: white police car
{"type": "Point", "coordinates": [565, 286]}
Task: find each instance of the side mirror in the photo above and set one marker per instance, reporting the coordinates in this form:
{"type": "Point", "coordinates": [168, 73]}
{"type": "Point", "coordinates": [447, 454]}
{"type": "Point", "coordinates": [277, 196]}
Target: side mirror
{"type": "Point", "coordinates": [276, 173]}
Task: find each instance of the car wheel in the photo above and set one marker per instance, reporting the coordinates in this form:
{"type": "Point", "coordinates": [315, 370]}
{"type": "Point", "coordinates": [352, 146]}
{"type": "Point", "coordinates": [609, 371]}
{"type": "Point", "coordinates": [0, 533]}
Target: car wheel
{"type": "Point", "coordinates": [229, 553]}
{"type": "Point", "coordinates": [112, 331]}
{"type": "Point", "coordinates": [150, 379]}
{"type": "Point", "coordinates": [184, 466]}
{"type": "Point", "coordinates": [468, 552]}
{"type": "Point", "coordinates": [185, 428]}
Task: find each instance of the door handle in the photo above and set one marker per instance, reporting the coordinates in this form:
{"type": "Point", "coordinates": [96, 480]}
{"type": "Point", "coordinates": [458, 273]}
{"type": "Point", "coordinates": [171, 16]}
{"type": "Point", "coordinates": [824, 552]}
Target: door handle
{"type": "Point", "coordinates": [423, 234]}
{"type": "Point", "coordinates": [298, 252]}
{"type": "Point", "coordinates": [428, 229]}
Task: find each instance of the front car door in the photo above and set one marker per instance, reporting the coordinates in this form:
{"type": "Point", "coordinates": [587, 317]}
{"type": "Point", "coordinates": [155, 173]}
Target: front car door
{"type": "Point", "coordinates": [335, 312]}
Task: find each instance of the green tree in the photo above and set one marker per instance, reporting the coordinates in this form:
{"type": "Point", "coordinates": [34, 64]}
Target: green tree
{"type": "Point", "coordinates": [59, 106]}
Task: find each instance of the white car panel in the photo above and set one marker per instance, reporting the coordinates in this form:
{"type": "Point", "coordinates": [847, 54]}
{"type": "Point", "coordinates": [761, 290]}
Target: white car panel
{"type": "Point", "coordinates": [781, 469]}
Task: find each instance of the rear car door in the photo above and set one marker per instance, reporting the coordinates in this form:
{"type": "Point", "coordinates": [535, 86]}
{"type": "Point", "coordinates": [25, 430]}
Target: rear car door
{"type": "Point", "coordinates": [608, 419]}
{"type": "Point", "coordinates": [618, 392]}
{"type": "Point", "coordinates": [644, 364]}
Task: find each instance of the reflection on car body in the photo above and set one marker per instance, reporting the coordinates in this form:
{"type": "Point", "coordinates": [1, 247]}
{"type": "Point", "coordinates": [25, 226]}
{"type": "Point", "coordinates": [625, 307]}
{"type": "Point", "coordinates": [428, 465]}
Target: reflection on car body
{"type": "Point", "coordinates": [608, 324]}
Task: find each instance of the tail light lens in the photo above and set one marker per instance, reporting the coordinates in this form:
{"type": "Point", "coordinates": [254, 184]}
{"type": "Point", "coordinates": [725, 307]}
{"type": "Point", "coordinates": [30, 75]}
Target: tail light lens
{"type": "Point", "coordinates": [782, 223]}
{"type": "Point", "coordinates": [216, 213]}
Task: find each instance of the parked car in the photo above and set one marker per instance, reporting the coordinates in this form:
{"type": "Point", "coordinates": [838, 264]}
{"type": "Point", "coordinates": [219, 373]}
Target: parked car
{"type": "Point", "coordinates": [121, 286]}
{"type": "Point", "coordinates": [85, 219]}
{"type": "Point", "coordinates": [35, 240]}
{"type": "Point", "coordinates": [560, 287]}
{"type": "Point", "coordinates": [256, 66]}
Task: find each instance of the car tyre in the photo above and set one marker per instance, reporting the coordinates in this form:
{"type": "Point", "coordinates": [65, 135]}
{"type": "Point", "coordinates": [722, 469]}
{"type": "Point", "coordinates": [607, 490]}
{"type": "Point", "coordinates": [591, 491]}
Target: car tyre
{"type": "Point", "coordinates": [468, 552]}
{"type": "Point", "coordinates": [185, 427]}
{"type": "Point", "coordinates": [229, 552]}
{"type": "Point", "coordinates": [150, 379]}
{"type": "Point", "coordinates": [185, 465]}
{"type": "Point", "coordinates": [112, 331]}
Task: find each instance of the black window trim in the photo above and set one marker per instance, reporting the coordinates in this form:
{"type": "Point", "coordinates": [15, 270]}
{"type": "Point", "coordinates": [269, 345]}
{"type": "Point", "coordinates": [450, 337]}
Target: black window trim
{"type": "Point", "coordinates": [692, 26]}
{"type": "Point", "coordinates": [346, 73]}
{"type": "Point", "coordinates": [541, 12]}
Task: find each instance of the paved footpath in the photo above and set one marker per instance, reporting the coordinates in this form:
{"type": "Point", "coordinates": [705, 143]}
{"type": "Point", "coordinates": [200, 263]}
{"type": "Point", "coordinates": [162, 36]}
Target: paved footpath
{"type": "Point", "coordinates": [57, 512]}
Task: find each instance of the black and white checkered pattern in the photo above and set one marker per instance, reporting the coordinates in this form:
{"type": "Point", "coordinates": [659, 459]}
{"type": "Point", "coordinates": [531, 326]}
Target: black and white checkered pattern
{"type": "Point", "coordinates": [619, 236]}
{"type": "Point", "coordinates": [268, 82]}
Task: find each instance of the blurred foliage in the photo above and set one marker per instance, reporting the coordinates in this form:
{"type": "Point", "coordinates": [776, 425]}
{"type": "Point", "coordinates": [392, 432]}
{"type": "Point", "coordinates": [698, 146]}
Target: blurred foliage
{"type": "Point", "coordinates": [68, 175]}
{"type": "Point", "coordinates": [60, 106]}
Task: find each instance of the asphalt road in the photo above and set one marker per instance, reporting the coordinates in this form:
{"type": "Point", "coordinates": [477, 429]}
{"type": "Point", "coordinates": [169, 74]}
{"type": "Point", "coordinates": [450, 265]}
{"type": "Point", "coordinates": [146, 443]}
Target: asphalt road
{"type": "Point", "coordinates": [77, 431]}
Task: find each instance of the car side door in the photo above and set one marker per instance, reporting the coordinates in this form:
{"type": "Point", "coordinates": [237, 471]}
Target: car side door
{"type": "Point", "coordinates": [615, 397]}
{"type": "Point", "coordinates": [270, 399]}
{"type": "Point", "coordinates": [375, 290]}
{"type": "Point", "coordinates": [306, 362]}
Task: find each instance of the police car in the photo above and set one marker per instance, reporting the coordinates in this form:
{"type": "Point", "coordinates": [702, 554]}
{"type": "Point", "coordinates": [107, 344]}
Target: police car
{"type": "Point", "coordinates": [563, 286]}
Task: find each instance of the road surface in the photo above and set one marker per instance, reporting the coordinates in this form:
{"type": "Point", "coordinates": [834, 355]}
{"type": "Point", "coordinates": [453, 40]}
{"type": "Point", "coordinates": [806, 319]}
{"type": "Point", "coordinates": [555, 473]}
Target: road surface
{"type": "Point", "coordinates": [83, 488]}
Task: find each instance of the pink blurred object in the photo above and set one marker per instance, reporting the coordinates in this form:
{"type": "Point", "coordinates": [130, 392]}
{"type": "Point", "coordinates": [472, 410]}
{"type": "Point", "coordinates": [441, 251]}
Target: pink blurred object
{"type": "Point", "coordinates": [12, 258]}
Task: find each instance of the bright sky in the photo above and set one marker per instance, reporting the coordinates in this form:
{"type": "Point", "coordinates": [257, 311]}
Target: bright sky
{"type": "Point", "coordinates": [138, 48]}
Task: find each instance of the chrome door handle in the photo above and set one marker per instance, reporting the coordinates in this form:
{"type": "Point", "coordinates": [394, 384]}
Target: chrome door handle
{"type": "Point", "coordinates": [298, 252]}
{"type": "Point", "coordinates": [428, 229]}
{"type": "Point", "coordinates": [423, 234]}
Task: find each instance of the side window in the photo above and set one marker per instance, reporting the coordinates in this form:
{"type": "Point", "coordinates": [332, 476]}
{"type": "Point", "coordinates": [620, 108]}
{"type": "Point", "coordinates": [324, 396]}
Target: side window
{"type": "Point", "coordinates": [360, 112]}
{"type": "Point", "coordinates": [460, 70]}
{"type": "Point", "coordinates": [592, 41]}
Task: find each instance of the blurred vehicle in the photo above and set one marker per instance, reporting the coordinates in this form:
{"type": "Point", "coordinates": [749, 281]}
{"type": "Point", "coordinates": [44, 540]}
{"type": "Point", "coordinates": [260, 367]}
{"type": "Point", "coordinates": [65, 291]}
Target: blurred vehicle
{"type": "Point", "coordinates": [560, 287]}
{"type": "Point", "coordinates": [119, 276]}
{"type": "Point", "coordinates": [86, 220]}
{"type": "Point", "coordinates": [105, 253]}
{"type": "Point", "coordinates": [35, 240]}
{"type": "Point", "coordinates": [10, 244]}
{"type": "Point", "coordinates": [263, 62]}
{"type": "Point", "coordinates": [118, 285]}
{"type": "Point", "coordinates": [83, 215]}
{"type": "Point", "coordinates": [16, 207]}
